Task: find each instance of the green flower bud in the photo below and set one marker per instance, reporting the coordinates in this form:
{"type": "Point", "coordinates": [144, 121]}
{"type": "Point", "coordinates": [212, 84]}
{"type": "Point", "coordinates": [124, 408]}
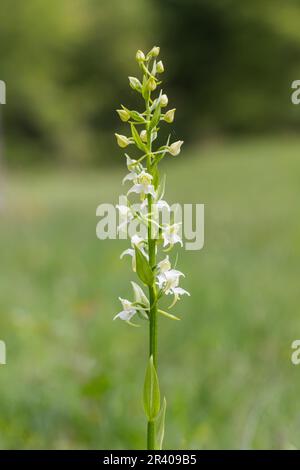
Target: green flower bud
{"type": "Point", "coordinates": [143, 135]}
{"type": "Point", "coordinates": [151, 83]}
{"type": "Point", "coordinates": [169, 116]}
{"type": "Point", "coordinates": [164, 101]}
{"type": "Point", "coordinates": [174, 149]}
{"type": "Point", "coordinates": [124, 115]}
{"type": "Point", "coordinates": [135, 83]}
{"type": "Point", "coordinates": [160, 67]}
{"type": "Point", "coordinates": [154, 51]}
{"type": "Point", "coordinates": [140, 56]}
{"type": "Point", "coordinates": [122, 140]}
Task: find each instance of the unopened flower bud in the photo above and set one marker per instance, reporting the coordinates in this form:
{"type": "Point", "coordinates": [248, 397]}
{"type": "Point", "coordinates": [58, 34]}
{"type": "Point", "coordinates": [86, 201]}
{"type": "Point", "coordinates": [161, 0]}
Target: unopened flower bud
{"type": "Point", "coordinates": [151, 84]}
{"type": "Point", "coordinates": [160, 67]}
{"type": "Point", "coordinates": [169, 116]}
{"type": "Point", "coordinates": [122, 140]}
{"type": "Point", "coordinates": [153, 136]}
{"type": "Point", "coordinates": [174, 149]}
{"type": "Point", "coordinates": [135, 83]}
{"type": "Point", "coordinates": [154, 51]}
{"type": "Point", "coordinates": [164, 101]}
{"type": "Point", "coordinates": [143, 135]}
{"type": "Point", "coordinates": [140, 56]}
{"type": "Point", "coordinates": [124, 115]}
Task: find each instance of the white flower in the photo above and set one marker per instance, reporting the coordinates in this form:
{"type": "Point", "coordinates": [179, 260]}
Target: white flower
{"type": "Point", "coordinates": [164, 265]}
{"type": "Point", "coordinates": [132, 175]}
{"type": "Point", "coordinates": [168, 281]}
{"type": "Point", "coordinates": [170, 235]}
{"type": "Point", "coordinates": [143, 184]}
{"type": "Point", "coordinates": [174, 149]}
{"type": "Point", "coordinates": [140, 305]}
{"type": "Point", "coordinates": [128, 310]}
{"type": "Point", "coordinates": [135, 241]}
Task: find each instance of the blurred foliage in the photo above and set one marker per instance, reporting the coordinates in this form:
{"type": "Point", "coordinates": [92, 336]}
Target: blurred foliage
{"type": "Point", "coordinates": [65, 62]}
{"type": "Point", "coordinates": [74, 377]}
{"type": "Point", "coordinates": [229, 66]}
{"type": "Point", "coordinates": [231, 62]}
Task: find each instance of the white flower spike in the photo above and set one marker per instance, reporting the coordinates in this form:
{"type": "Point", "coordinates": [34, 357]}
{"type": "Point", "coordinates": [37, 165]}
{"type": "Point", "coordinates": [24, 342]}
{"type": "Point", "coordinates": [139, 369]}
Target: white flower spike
{"type": "Point", "coordinates": [153, 270]}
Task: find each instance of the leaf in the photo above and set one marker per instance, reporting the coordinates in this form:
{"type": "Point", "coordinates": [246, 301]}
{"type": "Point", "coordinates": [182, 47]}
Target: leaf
{"type": "Point", "coordinates": [160, 425]}
{"type": "Point", "coordinates": [151, 392]}
{"type": "Point", "coordinates": [168, 315]}
{"type": "Point", "coordinates": [143, 268]}
{"type": "Point", "coordinates": [137, 138]}
{"type": "Point", "coordinates": [155, 118]}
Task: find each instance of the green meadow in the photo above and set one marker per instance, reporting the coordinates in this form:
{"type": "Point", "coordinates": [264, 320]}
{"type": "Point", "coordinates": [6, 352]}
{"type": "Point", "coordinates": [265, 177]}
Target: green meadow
{"type": "Point", "coordinates": [73, 377]}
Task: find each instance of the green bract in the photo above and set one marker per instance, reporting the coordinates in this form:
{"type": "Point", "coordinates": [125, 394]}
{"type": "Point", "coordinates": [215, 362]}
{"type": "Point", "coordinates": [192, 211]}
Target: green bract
{"type": "Point", "coordinates": [151, 392]}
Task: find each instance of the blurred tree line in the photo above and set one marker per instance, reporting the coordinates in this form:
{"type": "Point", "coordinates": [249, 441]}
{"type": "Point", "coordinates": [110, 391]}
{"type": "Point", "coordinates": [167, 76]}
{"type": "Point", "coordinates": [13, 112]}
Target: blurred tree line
{"type": "Point", "coordinates": [229, 67]}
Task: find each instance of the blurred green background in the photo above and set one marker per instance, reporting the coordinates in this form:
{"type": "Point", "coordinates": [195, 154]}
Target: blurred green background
{"type": "Point", "coordinates": [73, 377]}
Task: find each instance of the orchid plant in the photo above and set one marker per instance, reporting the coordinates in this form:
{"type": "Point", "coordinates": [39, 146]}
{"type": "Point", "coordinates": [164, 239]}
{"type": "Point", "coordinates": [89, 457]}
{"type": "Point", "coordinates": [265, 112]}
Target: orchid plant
{"type": "Point", "coordinates": [148, 252]}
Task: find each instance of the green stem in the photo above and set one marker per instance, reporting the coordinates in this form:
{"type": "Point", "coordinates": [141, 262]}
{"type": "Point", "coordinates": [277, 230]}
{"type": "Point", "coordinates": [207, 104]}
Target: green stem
{"type": "Point", "coordinates": [152, 322]}
{"type": "Point", "coordinates": [151, 438]}
{"type": "Point", "coordinates": [151, 435]}
{"type": "Point", "coordinates": [152, 292]}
